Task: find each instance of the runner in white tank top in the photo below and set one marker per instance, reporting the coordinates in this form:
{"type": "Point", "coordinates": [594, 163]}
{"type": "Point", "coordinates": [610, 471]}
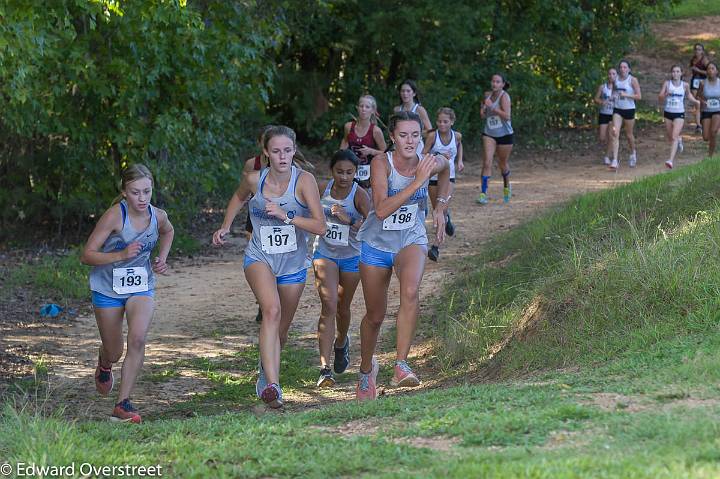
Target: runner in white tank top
{"type": "Point", "coordinates": [604, 98]}
{"type": "Point", "coordinates": [672, 96]}
{"type": "Point", "coordinates": [122, 282]}
{"type": "Point", "coordinates": [409, 101]}
{"type": "Point", "coordinates": [709, 93]}
{"type": "Point", "coordinates": [626, 92]}
{"type": "Point", "coordinates": [447, 142]}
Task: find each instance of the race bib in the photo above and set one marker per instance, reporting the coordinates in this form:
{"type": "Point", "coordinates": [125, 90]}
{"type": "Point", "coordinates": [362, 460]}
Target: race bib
{"type": "Point", "coordinates": [337, 234]}
{"type": "Point", "coordinates": [278, 239]}
{"type": "Point", "coordinates": [674, 103]}
{"type": "Point", "coordinates": [696, 83]}
{"type": "Point", "coordinates": [403, 218]}
{"type": "Point", "coordinates": [494, 122]}
{"type": "Point", "coordinates": [713, 103]}
{"type": "Point", "coordinates": [363, 172]}
{"type": "Point", "coordinates": [130, 280]}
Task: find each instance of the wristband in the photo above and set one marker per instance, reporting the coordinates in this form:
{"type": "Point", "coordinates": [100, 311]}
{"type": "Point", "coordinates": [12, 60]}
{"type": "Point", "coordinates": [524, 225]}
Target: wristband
{"type": "Point", "coordinates": [442, 200]}
{"type": "Point", "coordinates": [287, 220]}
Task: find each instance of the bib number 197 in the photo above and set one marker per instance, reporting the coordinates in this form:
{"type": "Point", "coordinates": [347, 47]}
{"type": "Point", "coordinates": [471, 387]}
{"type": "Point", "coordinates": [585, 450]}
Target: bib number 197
{"type": "Point", "coordinates": [130, 280]}
{"type": "Point", "coordinates": [278, 239]}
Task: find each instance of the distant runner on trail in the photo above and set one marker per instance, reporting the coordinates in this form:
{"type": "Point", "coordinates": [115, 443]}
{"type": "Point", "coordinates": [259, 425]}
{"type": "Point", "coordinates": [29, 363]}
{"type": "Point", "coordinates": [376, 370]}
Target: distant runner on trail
{"type": "Point", "coordinates": [284, 206]}
{"type": "Point", "coordinates": [394, 237]}
{"type": "Point", "coordinates": [446, 142]}
{"type": "Point", "coordinates": [498, 135]}
{"type": "Point", "coordinates": [626, 92]}
{"type": "Point", "coordinates": [604, 98]}
{"type": "Point", "coordinates": [410, 101]}
{"type": "Point", "coordinates": [122, 282]}
{"type": "Point", "coordinates": [672, 96]}
{"type": "Point", "coordinates": [336, 262]}
{"type": "Point", "coordinates": [709, 95]}
{"type": "Point", "coordinates": [365, 145]}
{"type": "Point", "coordinates": [698, 68]}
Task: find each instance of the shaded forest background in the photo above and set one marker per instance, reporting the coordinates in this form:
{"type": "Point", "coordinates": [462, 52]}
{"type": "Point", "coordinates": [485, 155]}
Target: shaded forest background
{"type": "Point", "coordinates": [87, 86]}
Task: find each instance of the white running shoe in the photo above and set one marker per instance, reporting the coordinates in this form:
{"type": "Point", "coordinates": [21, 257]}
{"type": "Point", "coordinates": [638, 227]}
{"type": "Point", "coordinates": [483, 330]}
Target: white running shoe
{"type": "Point", "coordinates": [669, 164]}
{"type": "Point", "coordinates": [632, 161]}
{"type": "Point", "coordinates": [614, 165]}
{"type": "Point", "coordinates": [681, 147]}
{"type": "Point", "coordinates": [606, 161]}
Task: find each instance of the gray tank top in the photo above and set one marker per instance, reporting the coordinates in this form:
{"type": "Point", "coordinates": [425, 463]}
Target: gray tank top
{"type": "Point", "coordinates": [282, 247]}
{"type": "Point", "coordinates": [405, 226]}
{"type": "Point", "coordinates": [340, 240]}
{"type": "Point", "coordinates": [606, 108]}
{"type": "Point", "coordinates": [711, 93]}
{"type": "Point", "coordinates": [121, 279]}
{"type": "Point", "coordinates": [626, 86]}
{"type": "Point", "coordinates": [496, 126]}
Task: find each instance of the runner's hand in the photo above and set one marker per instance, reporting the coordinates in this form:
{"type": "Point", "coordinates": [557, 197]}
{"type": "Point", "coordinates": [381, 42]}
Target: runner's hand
{"type": "Point", "coordinates": [160, 266]}
{"type": "Point", "coordinates": [339, 211]}
{"type": "Point", "coordinates": [219, 236]}
{"type": "Point", "coordinates": [132, 250]}
{"type": "Point", "coordinates": [273, 209]}
{"type": "Point", "coordinates": [425, 168]}
{"type": "Point", "coordinates": [460, 166]}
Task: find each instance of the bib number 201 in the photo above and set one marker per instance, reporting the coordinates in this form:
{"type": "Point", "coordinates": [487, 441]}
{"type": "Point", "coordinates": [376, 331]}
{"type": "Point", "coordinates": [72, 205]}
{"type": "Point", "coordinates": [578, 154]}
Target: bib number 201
{"type": "Point", "coordinates": [130, 280]}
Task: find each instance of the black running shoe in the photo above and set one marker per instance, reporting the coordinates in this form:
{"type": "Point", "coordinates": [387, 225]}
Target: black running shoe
{"type": "Point", "coordinates": [433, 253]}
{"type": "Point", "coordinates": [342, 357]}
{"type": "Point", "coordinates": [449, 226]}
{"type": "Point", "coordinates": [258, 317]}
{"type": "Point", "coordinates": [326, 379]}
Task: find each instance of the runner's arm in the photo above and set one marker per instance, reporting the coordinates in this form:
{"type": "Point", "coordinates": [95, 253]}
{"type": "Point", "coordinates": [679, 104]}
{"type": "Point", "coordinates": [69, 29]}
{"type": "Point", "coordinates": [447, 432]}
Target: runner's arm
{"type": "Point", "coordinates": [166, 233]}
{"type": "Point", "coordinates": [598, 96]}
{"type": "Point", "coordinates": [636, 87]}
{"type": "Point", "coordinates": [362, 204]}
{"type": "Point", "coordinates": [689, 94]}
{"type": "Point", "coordinates": [110, 222]}
{"type": "Point", "coordinates": [425, 119]}
{"type": "Point", "coordinates": [237, 201]}
{"type": "Point", "coordinates": [379, 171]}
{"type": "Point", "coordinates": [344, 142]}
{"type": "Point", "coordinates": [309, 193]}
{"type": "Point", "coordinates": [459, 157]}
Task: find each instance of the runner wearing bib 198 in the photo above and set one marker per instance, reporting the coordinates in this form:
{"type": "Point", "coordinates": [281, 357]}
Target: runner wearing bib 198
{"type": "Point", "coordinates": [285, 204]}
{"type": "Point", "coordinates": [446, 142]}
{"type": "Point", "coordinates": [709, 93]}
{"type": "Point", "coordinates": [337, 254]}
{"type": "Point", "coordinates": [410, 101]}
{"type": "Point", "coordinates": [123, 283]}
{"type": "Point", "coordinates": [498, 135]}
{"type": "Point", "coordinates": [393, 236]}
{"type": "Point", "coordinates": [625, 93]}
{"type": "Point", "coordinates": [604, 98]}
{"type": "Point", "coordinates": [672, 95]}
{"type": "Point", "coordinates": [366, 145]}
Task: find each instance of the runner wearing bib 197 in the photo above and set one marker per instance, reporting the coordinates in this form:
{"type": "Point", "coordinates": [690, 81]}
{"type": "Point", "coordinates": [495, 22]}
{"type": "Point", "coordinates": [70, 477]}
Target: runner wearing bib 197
{"type": "Point", "coordinates": [410, 101]}
{"type": "Point", "coordinates": [367, 145]}
{"type": "Point", "coordinates": [498, 135]}
{"type": "Point", "coordinates": [709, 93]}
{"type": "Point", "coordinates": [285, 204]}
{"type": "Point", "coordinates": [393, 236]}
{"type": "Point", "coordinates": [447, 142]}
{"type": "Point", "coordinates": [672, 95]}
{"type": "Point", "coordinates": [625, 93]}
{"type": "Point", "coordinates": [604, 98]}
{"type": "Point", "coordinates": [123, 283]}
{"type": "Point", "coordinates": [337, 254]}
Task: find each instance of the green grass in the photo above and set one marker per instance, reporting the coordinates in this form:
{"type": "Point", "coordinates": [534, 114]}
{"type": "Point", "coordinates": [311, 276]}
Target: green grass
{"type": "Point", "coordinates": [695, 8]}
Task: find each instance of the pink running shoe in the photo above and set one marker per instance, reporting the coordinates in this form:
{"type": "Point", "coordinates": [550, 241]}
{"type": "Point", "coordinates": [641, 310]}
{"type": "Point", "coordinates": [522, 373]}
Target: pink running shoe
{"type": "Point", "coordinates": [104, 379]}
{"type": "Point", "coordinates": [366, 389]}
{"type": "Point", "coordinates": [404, 376]}
{"type": "Point", "coordinates": [669, 165]}
{"type": "Point", "coordinates": [272, 396]}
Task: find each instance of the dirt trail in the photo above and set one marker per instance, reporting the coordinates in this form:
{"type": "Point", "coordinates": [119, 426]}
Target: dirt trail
{"type": "Point", "coordinates": [206, 309]}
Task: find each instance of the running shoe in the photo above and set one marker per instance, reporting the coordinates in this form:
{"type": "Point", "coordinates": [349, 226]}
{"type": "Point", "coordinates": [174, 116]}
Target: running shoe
{"type": "Point", "coordinates": [614, 165]}
{"type": "Point", "coordinates": [449, 226]}
{"type": "Point", "coordinates": [272, 396]}
{"type": "Point", "coordinates": [261, 382]}
{"type": "Point", "coordinates": [698, 130]}
{"type": "Point", "coordinates": [258, 316]}
{"type": "Point", "coordinates": [507, 194]}
{"type": "Point", "coordinates": [326, 378]}
{"type": "Point", "coordinates": [606, 161]}
{"type": "Point", "coordinates": [366, 389]}
{"type": "Point", "coordinates": [482, 199]}
{"type": "Point", "coordinates": [632, 161]}
{"type": "Point", "coordinates": [669, 165]}
{"type": "Point", "coordinates": [404, 376]}
{"type": "Point", "coordinates": [434, 253]}
{"type": "Point", "coordinates": [342, 357]}
{"type": "Point", "coordinates": [104, 379]}
{"type": "Point", "coordinates": [125, 412]}
{"type": "Point", "coordinates": [681, 147]}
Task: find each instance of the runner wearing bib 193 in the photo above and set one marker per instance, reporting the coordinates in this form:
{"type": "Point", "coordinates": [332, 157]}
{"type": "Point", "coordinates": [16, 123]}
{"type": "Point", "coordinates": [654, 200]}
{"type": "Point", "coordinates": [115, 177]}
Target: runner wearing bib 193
{"type": "Point", "coordinates": [123, 283]}
{"type": "Point", "coordinates": [335, 262]}
{"type": "Point", "coordinates": [367, 145]}
{"type": "Point", "coordinates": [672, 95]}
{"type": "Point", "coordinates": [498, 136]}
{"type": "Point", "coordinates": [393, 236]}
{"type": "Point", "coordinates": [625, 93]}
{"type": "Point", "coordinates": [285, 204]}
{"type": "Point", "coordinates": [709, 93]}
{"type": "Point", "coordinates": [604, 98]}
{"type": "Point", "coordinates": [410, 102]}
{"type": "Point", "coordinates": [446, 142]}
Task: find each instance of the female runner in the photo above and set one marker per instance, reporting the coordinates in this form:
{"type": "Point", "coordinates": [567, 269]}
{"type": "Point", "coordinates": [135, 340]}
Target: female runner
{"type": "Point", "coordinates": [709, 93]}
{"type": "Point", "coordinates": [498, 135]}
{"type": "Point", "coordinates": [603, 97]}
{"type": "Point", "coordinates": [409, 101]}
{"type": "Point", "coordinates": [365, 145]}
{"type": "Point", "coordinates": [672, 95]}
{"type": "Point", "coordinates": [626, 92]}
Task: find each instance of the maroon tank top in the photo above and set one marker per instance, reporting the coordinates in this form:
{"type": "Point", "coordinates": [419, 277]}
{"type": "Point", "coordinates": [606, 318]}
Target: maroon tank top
{"type": "Point", "coordinates": [356, 142]}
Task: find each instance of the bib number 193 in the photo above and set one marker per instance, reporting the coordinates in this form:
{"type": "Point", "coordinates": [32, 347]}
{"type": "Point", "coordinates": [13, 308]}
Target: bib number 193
{"type": "Point", "coordinates": [130, 280]}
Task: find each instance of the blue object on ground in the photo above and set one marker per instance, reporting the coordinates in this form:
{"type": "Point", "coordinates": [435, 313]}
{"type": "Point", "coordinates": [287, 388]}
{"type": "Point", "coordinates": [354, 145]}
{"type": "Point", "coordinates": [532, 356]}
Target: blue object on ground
{"type": "Point", "coordinates": [50, 310]}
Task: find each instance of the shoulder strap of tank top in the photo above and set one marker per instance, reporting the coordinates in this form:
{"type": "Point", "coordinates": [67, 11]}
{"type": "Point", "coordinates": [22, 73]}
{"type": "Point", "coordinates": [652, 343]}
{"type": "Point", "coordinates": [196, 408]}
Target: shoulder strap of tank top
{"type": "Point", "coordinates": [353, 190]}
{"type": "Point", "coordinates": [263, 174]}
{"type": "Point", "coordinates": [328, 187]}
{"type": "Point", "coordinates": [123, 211]}
{"type": "Point", "coordinates": [390, 160]}
{"type": "Point", "coordinates": [415, 107]}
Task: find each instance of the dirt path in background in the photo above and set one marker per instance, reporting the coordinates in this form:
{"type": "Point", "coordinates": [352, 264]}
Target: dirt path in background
{"type": "Point", "coordinates": [205, 308]}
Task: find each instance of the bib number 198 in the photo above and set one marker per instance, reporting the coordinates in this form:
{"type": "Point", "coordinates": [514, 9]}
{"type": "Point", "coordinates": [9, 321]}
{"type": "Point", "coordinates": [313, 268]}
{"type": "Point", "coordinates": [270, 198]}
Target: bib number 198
{"type": "Point", "coordinates": [403, 218]}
